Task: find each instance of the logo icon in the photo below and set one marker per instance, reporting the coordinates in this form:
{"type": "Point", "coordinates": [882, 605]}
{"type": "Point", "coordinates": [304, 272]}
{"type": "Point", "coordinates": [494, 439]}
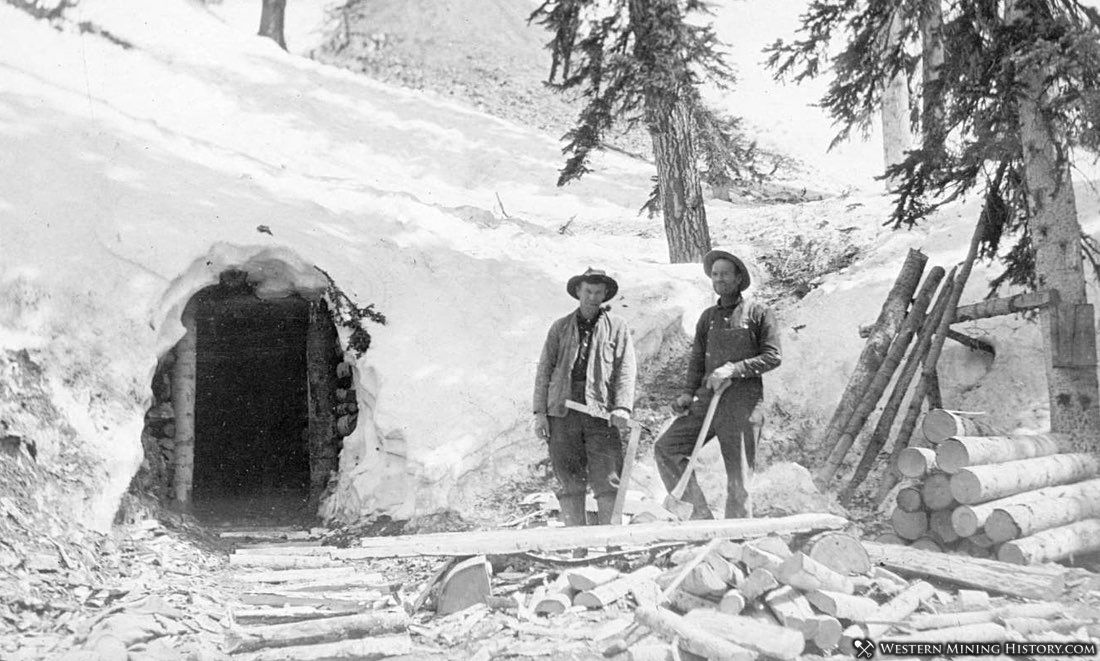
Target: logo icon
{"type": "Point", "coordinates": [864, 648]}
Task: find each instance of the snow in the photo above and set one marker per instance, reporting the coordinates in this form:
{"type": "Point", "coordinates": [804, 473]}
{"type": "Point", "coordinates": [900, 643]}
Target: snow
{"type": "Point", "coordinates": [134, 176]}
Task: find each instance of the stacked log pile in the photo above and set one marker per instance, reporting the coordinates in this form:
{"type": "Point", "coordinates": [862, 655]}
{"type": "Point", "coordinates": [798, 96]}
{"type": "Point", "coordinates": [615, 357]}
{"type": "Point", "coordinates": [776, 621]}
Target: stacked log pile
{"type": "Point", "coordinates": [1019, 498]}
{"type": "Point", "coordinates": [764, 597]}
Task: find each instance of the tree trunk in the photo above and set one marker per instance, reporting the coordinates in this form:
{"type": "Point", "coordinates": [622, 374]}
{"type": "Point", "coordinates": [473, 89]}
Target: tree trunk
{"type": "Point", "coordinates": [889, 320]}
{"type": "Point", "coordinates": [931, 37]}
{"type": "Point", "coordinates": [936, 491]}
{"type": "Point", "coordinates": [183, 403]}
{"type": "Point", "coordinates": [916, 462]}
{"type": "Point", "coordinates": [1051, 508]}
{"type": "Point", "coordinates": [885, 372]}
{"type": "Point", "coordinates": [896, 137]}
{"type": "Point", "coordinates": [320, 378]}
{"type": "Point", "coordinates": [979, 484]}
{"type": "Point", "coordinates": [1056, 232]}
{"type": "Point", "coordinates": [1054, 544]}
{"type": "Point", "coordinates": [909, 525]}
{"type": "Point", "coordinates": [939, 425]}
{"type": "Point", "coordinates": [678, 185]}
{"type": "Point", "coordinates": [271, 21]}
{"type": "Point", "coordinates": [960, 452]}
{"type": "Point", "coordinates": [327, 630]}
{"type": "Point", "coordinates": [909, 500]}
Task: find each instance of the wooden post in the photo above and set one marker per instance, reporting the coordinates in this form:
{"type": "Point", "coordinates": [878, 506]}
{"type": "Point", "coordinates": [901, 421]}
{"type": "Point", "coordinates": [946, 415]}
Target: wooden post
{"type": "Point", "coordinates": [183, 403]}
{"type": "Point", "coordinates": [885, 372]}
{"type": "Point", "coordinates": [874, 352]}
{"type": "Point", "coordinates": [320, 378]}
{"type": "Point", "coordinates": [1056, 236]}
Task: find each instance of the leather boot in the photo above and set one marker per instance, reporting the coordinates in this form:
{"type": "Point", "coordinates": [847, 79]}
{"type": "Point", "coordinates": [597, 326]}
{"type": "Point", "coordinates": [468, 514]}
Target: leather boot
{"type": "Point", "coordinates": [572, 510]}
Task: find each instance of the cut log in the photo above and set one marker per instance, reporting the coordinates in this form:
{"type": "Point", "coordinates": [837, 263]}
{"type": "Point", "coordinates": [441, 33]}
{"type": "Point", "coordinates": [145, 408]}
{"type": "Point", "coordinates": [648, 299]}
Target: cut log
{"type": "Point", "coordinates": [771, 641]}
{"type": "Point", "coordinates": [362, 649]}
{"type": "Point", "coordinates": [311, 632]}
{"type": "Point", "coordinates": [733, 602]}
{"type": "Point", "coordinates": [989, 575]}
{"type": "Point", "coordinates": [705, 581]}
{"type": "Point", "coordinates": [502, 542]}
{"type": "Point", "coordinates": [587, 578]}
{"type": "Point", "coordinates": [890, 410]}
{"type": "Point", "coordinates": [916, 462]}
{"type": "Point", "coordinates": [731, 551]}
{"type": "Point", "coordinates": [685, 601]}
{"type": "Point", "coordinates": [842, 606]}
{"type": "Point", "coordinates": [891, 538]}
{"type": "Point", "coordinates": [972, 600]}
{"type": "Point", "coordinates": [996, 307]}
{"type": "Point", "coordinates": [967, 547]}
{"type": "Point", "coordinates": [927, 543]}
{"type": "Point", "coordinates": [959, 452]}
{"type": "Point", "coordinates": [282, 561]}
{"type": "Point", "coordinates": [807, 574]}
{"type": "Point", "coordinates": [755, 558]}
{"type": "Point", "coordinates": [1032, 625]}
{"type": "Point", "coordinates": [979, 484]}
{"type": "Point", "coordinates": [760, 581]}
{"type": "Point", "coordinates": [986, 632]}
{"type": "Point", "coordinates": [936, 492]}
{"type": "Point", "coordinates": [909, 525]}
{"type": "Point", "coordinates": [348, 603]}
{"type": "Point", "coordinates": [1044, 509]}
{"type": "Point", "coordinates": [909, 498]}
{"type": "Point", "coordinates": [1054, 544]}
{"type": "Point", "coordinates": [827, 633]}
{"type": "Point", "coordinates": [772, 544]}
{"type": "Point", "coordinates": [552, 604]}
{"type": "Point", "coordinates": [923, 621]}
{"type": "Point", "coordinates": [692, 638]}
{"type": "Point", "coordinates": [466, 584]}
{"type": "Point", "coordinates": [609, 593]}
{"type": "Point", "coordinates": [969, 519]}
{"type": "Point", "coordinates": [686, 568]}
{"type": "Point", "coordinates": [883, 375]}
{"type": "Point", "coordinates": [897, 609]}
{"type": "Point", "coordinates": [940, 524]}
{"type": "Point", "coordinates": [792, 610]}
{"type": "Point", "coordinates": [183, 403]}
{"type": "Point", "coordinates": [890, 319]}
{"type": "Point", "coordinates": [264, 615]}
{"type": "Point", "coordinates": [939, 425]}
{"type": "Point", "coordinates": [345, 575]}
{"type": "Point", "coordinates": [840, 552]}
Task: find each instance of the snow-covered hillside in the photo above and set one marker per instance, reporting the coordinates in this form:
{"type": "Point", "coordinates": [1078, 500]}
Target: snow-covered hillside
{"type": "Point", "coordinates": [134, 175]}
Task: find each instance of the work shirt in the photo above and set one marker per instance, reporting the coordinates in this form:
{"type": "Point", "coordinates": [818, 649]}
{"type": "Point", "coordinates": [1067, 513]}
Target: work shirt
{"type": "Point", "coordinates": [609, 375]}
{"type": "Point", "coordinates": [585, 327]}
{"type": "Point", "coordinates": [759, 322]}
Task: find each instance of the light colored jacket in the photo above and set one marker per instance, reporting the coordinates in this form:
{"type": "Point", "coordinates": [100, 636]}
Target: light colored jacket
{"type": "Point", "coordinates": [611, 366]}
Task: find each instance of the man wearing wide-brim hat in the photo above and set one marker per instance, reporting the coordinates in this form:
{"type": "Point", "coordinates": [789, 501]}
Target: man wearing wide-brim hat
{"type": "Point", "coordinates": [735, 342]}
{"type": "Point", "coordinates": [588, 357]}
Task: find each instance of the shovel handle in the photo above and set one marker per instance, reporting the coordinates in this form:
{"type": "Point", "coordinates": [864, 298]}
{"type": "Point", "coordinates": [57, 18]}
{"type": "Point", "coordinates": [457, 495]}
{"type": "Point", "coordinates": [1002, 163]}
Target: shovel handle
{"type": "Point", "coordinates": [596, 413]}
{"type": "Point", "coordinates": [678, 490]}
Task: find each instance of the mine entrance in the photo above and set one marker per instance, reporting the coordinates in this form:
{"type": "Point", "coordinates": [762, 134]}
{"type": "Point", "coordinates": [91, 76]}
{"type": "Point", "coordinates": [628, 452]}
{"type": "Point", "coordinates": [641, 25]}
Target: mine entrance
{"type": "Point", "coordinates": [251, 413]}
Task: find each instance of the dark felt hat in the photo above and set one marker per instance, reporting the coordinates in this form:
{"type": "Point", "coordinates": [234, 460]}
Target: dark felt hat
{"type": "Point", "coordinates": [714, 255]}
{"type": "Point", "coordinates": [594, 276]}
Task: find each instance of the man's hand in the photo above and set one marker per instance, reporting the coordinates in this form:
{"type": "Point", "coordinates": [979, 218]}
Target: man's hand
{"type": "Point", "coordinates": [720, 374]}
{"type": "Point", "coordinates": [682, 403]}
{"type": "Point", "coordinates": [620, 419]}
{"type": "Point", "coordinates": [542, 426]}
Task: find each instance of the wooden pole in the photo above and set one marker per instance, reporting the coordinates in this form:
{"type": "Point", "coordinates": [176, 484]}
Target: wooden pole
{"type": "Point", "coordinates": [940, 424]}
{"type": "Point", "coordinates": [184, 374]}
{"type": "Point", "coordinates": [997, 307]}
{"type": "Point", "coordinates": [959, 452]}
{"type": "Point", "coordinates": [1045, 509]}
{"type": "Point", "coordinates": [885, 373]}
{"type": "Point", "coordinates": [1053, 544]}
{"type": "Point", "coordinates": [874, 352]}
{"type": "Point", "coordinates": [979, 484]}
{"type": "Point", "coordinates": [890, 410]}
{"type": "Point", "coordinates": [311, 632]}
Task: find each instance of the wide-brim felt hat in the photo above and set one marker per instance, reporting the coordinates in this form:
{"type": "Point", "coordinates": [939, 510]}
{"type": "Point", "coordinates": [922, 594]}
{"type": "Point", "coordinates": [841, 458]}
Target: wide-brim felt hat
{"type": "Point", "coordinates": [596, 276]}
{"type": "Point", "coordinates": [714, 255]}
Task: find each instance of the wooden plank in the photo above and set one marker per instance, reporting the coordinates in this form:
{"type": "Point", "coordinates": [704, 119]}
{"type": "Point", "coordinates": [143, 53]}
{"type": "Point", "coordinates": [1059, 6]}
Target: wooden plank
{"type": "Point", "coordinates": [1074, 335]}
{"type": "Point", "coordinates": [996, 307]}
{"type": "Point", "coordinates": [499, 542]}
{"type": "Point", "coordinates": [977, 573]}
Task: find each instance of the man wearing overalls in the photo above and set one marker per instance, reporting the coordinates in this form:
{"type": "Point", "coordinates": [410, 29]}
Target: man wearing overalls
{"type": "Point", "coordinates": [736, 340]}
{"type": "Point", "coordinates": [588, 357]}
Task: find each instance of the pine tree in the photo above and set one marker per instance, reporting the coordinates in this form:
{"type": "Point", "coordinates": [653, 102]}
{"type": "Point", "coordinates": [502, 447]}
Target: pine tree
{"type": "Point", "coordinates": [1016, 92]}
{"type": "Point", "coordinates": [643, 61]}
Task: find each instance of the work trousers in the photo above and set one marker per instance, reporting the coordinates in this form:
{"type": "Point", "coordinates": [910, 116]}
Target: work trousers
{"type": "Point", "coordinates": [584, 451]}
{"type": "Point", "coordinates": [735, 422]}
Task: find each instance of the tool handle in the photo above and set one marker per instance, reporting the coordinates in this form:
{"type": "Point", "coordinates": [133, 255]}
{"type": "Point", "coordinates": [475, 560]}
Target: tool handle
{"type": "Point", "coordinates": [595, 413]}
{"type": "Point", "coordinates": [678, 490]}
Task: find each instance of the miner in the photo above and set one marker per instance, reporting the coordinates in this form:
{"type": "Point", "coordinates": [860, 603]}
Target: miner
{"type": "Point", "coordinates": [736, 341]}
{"type": "Point", "coordinates": [588, 357]}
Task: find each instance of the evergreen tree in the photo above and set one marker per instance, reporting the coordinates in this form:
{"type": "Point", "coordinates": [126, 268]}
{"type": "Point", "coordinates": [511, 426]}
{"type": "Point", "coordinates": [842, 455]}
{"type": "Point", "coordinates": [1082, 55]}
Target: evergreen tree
{"type": "Point", "coordinates": [643, 61]}
{"type": "Point", "coordinates": [1016, 92]}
